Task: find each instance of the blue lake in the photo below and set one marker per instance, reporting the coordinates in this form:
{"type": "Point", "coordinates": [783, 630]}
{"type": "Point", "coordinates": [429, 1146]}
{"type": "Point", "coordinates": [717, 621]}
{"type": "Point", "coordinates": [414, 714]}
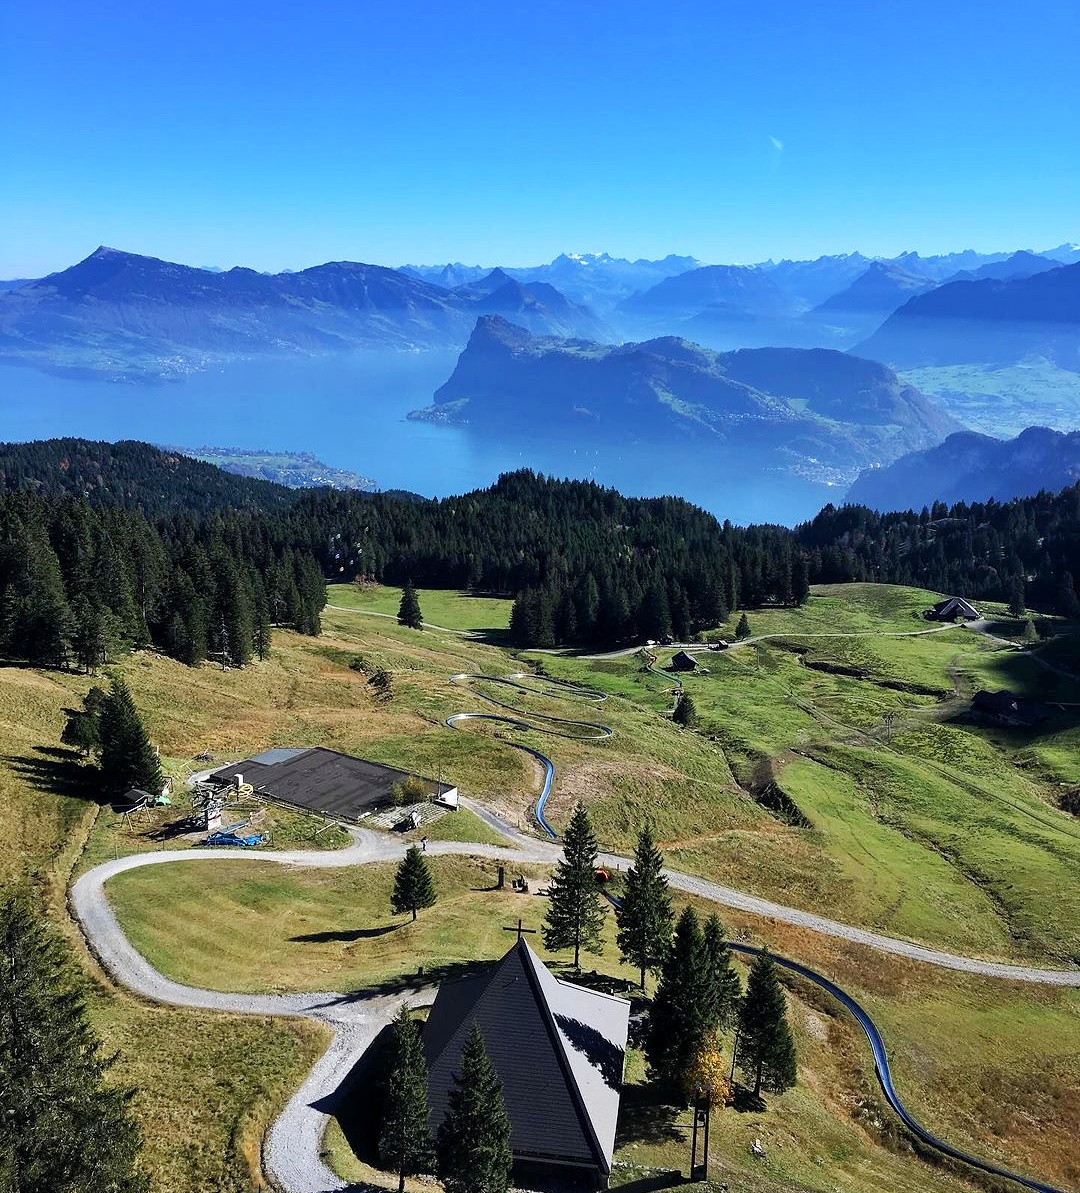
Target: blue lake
{"type": "Point", "coordinates": [350, 411]}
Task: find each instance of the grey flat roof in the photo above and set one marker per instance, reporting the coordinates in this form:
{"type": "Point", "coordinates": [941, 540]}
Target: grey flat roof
{"type": "Point", "coordinates": [278, 754]}
{"type": "Point", "coordinates": [319, 779]}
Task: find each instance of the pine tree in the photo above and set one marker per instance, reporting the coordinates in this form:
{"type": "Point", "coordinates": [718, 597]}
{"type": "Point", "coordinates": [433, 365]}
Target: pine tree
{"type": "Point", "coordinates": [1016, 597]}
{"type": "Point", "coordinates": [405, 1143]}
{"type": "Point", "coordinates": [413, 887]}
{"type": "Point", "coordinates": [680, 1019]}
{"type": "Point", "coordinates": [64, 1128]}
{"type": "Point", "coordinates": [724, 986]}
{"type": "Point", "coordinates": [742, 630]}
{"type": "Point", "coordinates": [127, 758]}
{"type": "Point", "coordinates": [685, 711]}
{"type": "Point", "coordinates": [645, 917]}
{"type": "Point", "coordinates": [800, 580]}
{"type": "Point", "coordinates": [409, 610]}
{"type": "Point", "coordinates": [83, 726]}
{"type": "Point", "coordinates": [766, 1047]}
{"type": "Point", "coordinates": [575, 910]}
{"type": "Point", "coordinates": [474, 1137]}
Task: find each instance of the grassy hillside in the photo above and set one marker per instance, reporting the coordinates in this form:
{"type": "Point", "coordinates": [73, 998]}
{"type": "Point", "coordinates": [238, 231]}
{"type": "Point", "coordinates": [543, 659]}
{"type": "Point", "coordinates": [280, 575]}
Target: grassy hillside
{"type": "Point", "coordinates": [881, 802]}
{"type": "Point", "coordinates": [956, 1041]}
{"type": "Point", "coordinates": [921, 823]}
{"type": "Point", "coordinates": [440, 606]}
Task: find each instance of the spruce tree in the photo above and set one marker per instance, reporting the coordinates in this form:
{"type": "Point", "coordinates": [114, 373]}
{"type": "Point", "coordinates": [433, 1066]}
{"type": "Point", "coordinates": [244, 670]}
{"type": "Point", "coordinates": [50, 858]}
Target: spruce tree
{"type": "Point", "coordinates": [405, 1143]}
{"type": "Point", "coordinates": [409, 610]}
{"type": "Point", "coordinates": [1016, 597]}
{"type": "Point", "coordinates": [681, 1017]}
{"type": "Point", "coordinates": [83, 726]}
{"type": "Point", "coordinates": [413, 887]}
{"type": "Point", "coordinates": [575, 910]}
{"type": "Point", "coordinates": [766, 1046]}
{"type": "Point", "coordinates": [645, 917]}
{"type": "Point", "coordinates": [742, 630]}
{"type": "Point", "coordinates": [725, 988]}
{"type": "Point", "coordinates": [685, 712]}
{"type": "Point", "coordinates": [474, 1137]}
{"type": "Point", "coordinates": [64, 1128]}
{"type": "Point", "coordinates": [127, 757]}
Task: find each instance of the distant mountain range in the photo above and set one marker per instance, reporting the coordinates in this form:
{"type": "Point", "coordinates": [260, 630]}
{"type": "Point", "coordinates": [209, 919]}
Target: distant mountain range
{"type": "Point", "coordinates": [596, 280]}
{"type": "Point", "coordinates": [997, 321]}
{"type": "Point", "coordinates": [128, 317]}
{"type": "Point", "coordinates": [786, 406]}
{"type": "Point", "coordinates": [973, 467]}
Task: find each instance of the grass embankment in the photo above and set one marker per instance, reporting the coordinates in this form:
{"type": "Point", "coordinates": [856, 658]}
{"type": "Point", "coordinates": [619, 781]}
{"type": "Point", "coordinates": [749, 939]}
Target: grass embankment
{"type": "Point", "coordinates": [957, 1042]}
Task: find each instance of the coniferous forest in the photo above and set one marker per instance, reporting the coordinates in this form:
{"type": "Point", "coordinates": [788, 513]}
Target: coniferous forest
{"type": "Point", "coordinates": [108, 547]}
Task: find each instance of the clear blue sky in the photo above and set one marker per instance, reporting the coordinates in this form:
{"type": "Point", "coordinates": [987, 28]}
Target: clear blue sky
{"type": "Point", "coordinates": [289, 132]}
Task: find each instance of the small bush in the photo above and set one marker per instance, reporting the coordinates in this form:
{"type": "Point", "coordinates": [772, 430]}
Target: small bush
{"type": "Point", "coordinates": [410, 790]}
{"type": "Point", "coordinates": [358, 663]}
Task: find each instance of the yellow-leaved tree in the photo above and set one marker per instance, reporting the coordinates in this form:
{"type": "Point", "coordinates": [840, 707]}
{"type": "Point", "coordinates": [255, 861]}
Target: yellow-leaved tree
{"type": "Point", "coordinates": [707, 1075]}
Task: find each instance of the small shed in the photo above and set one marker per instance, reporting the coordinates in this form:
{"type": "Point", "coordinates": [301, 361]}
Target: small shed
{"type": "Point", "coordinates": [683, 661]}
{"type": "Point", "coordinates": [953, 608]}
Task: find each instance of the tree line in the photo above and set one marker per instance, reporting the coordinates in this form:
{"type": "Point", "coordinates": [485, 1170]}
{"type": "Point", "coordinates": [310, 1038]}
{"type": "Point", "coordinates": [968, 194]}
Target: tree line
{"type": "Point", "coordinates": [1025, 552]}
{"type": "Point", "coordinates": [153, 552]}
{"type": "Point", "coordinates": [80, 584]}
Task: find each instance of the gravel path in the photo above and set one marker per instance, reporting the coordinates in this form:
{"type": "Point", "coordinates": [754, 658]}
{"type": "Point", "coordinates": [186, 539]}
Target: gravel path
{"type": "Point", "coordinates": [293, 1150]}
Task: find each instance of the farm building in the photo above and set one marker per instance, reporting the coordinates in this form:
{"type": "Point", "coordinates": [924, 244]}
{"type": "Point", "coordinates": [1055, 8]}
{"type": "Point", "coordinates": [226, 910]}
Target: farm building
{"type": "Point", "coordinates": [558, 1049]}
{"type": "Point", "coordinates": [953, 609]}
{"type": "Point", "coordinates": [683, 661]}
{"type": "Point", "coordinates": [324, 781]}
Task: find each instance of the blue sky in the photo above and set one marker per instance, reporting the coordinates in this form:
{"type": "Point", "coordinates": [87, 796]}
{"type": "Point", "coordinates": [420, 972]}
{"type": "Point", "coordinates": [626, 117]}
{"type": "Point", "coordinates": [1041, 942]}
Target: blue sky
{"type": "Point", "coordinates": [283, 134]}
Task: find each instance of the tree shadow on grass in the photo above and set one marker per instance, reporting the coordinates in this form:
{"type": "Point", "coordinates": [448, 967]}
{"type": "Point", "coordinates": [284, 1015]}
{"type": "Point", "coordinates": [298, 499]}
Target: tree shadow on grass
{"type": "Point", "coordinates": [745, 1101]}
{"type": "Point", "coordinates": [425, 976]}
{"type": "Point", "coordinates": [645, 1116]}
{"type": "Point", "coordinates": [58, 771]}
{"type": "Point", "coordinates": [347, 935]}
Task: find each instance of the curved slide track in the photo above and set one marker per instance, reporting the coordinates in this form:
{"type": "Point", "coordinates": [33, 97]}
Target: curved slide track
{"type": "Point", "coordinates": [884, 1075]}
{"type": "Point", "coordinates": [540, 722]}
{"type": "Point", "coordinates": [293, 1149]}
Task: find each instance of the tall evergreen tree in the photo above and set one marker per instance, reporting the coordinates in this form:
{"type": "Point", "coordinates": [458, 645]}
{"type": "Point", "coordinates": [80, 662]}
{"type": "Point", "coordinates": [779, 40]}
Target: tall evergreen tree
{"type": "Point", "coordinates": [724, 986]}
{"type": "Point", "coordinates": [83, 726]}
{"type": "Point", "coordinates": [766, 1046]}
{"type": "Point", "coordinates": [685, 711]}
{"type": "Point", "coordinates": [680, 1021]}
{"type": "Point", "coordinates": [742, 630]}
{"type": "Point", "coordinates": [474, 1137]}
{"type": "Point", "coordinates": [413, 887]}
{"type": "Point", "coordinates": [409, 610]}
{"type": "Point", "coordinates": [405, 1143]}
{"type": "Point", "coordinates": [645, 917]}
{"type": "Point", "coordinates": [1016, 597]}
{"type": "Point", "coordinates": [127, 757]}
{"type": "Point", "coordinates": [64, 1128]}
{"type": "Point", "coordinates": [575, 910]}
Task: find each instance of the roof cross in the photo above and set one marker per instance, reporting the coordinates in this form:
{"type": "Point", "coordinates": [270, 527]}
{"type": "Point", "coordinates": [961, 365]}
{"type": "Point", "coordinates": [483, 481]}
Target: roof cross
{"type": "Point", "coordinates": [520, 930]}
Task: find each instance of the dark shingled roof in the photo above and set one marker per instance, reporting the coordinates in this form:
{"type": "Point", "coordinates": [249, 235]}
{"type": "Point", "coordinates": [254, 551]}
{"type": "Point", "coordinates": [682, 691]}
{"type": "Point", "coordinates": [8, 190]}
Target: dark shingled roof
{"type": "Point", "coordinates": [558, 1050]}
{"type": "Point", "coordinates": [320, 779]}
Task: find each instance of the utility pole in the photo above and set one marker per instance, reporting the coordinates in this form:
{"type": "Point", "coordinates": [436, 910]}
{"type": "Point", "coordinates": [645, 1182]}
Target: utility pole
{"type": "Point", "coordinates": [702, 1115]}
